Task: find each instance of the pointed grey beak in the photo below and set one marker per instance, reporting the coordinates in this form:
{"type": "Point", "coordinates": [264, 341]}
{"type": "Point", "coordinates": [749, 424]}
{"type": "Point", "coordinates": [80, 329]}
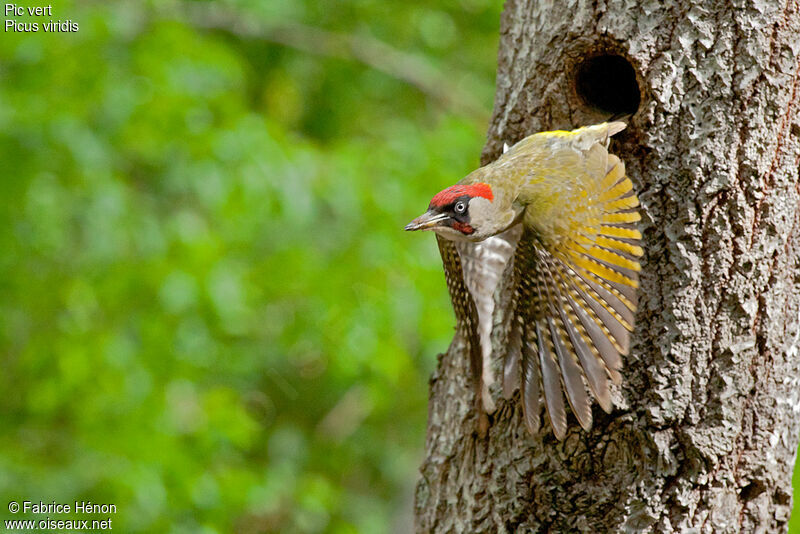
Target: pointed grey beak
{"type": "Point", "coordinates": [426, 221]}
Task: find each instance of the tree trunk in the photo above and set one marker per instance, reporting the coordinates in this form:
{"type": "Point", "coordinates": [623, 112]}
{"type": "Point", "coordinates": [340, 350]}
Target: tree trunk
{"type": "Point", "coordinates": [705, 430]}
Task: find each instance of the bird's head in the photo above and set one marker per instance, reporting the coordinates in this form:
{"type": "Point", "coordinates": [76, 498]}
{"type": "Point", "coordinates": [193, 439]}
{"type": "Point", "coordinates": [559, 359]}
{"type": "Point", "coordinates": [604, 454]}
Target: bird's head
{"type": "Point", "coordinates": [460, 212]}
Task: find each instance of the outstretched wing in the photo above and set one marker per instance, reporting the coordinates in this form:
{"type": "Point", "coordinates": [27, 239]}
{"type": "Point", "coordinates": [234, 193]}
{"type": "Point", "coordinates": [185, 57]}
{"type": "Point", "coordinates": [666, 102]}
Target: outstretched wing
{"type": "Point", "coordinates": [463, 304]}
{"type": "Point", "coordinates": [473, 274]}
{"type": "Point", "coordinates": [574, 300]}
{"type": "Point", "coordinates": [483, 265]}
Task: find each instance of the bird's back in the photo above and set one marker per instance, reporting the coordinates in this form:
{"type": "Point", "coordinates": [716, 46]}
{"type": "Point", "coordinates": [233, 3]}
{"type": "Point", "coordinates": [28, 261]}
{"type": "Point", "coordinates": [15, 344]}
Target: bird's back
{"type": "Point", "coordinates": [557, 176]}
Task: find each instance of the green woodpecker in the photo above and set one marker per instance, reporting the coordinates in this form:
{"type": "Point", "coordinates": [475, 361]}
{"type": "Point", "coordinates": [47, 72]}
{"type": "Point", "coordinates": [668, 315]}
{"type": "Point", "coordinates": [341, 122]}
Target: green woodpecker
{"type": "Point", "coordinates": [559, 209]}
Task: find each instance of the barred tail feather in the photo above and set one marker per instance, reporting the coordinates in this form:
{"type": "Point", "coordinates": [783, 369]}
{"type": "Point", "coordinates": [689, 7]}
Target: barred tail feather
{"type": "Point", "coordinates": [571, 375]}
{"type": "Point", "coordinates": [529, 386]}
{"type": "Point", "coordinates": [551, 382]}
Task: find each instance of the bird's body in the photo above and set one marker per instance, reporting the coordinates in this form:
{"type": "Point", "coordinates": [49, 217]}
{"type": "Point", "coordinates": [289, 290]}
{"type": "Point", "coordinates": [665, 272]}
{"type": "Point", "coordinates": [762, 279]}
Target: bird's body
{"type": "Point", "coordinates": [558, 207]}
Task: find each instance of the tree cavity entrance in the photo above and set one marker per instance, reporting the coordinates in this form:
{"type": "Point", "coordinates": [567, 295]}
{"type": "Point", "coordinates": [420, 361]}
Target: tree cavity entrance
{"type": "Point", "coordinates": [608, 83]}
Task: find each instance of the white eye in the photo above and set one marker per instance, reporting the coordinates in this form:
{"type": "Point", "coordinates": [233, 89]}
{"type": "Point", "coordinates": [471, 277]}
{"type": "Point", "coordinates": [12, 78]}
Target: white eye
{"type": "Point", "coordinates": [460, 206]}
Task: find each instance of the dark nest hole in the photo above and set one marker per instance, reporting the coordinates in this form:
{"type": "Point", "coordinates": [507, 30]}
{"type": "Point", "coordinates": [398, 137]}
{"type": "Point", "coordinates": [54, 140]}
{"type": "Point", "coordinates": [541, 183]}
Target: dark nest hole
{"type": "Point", "coordinates": [608, 83]}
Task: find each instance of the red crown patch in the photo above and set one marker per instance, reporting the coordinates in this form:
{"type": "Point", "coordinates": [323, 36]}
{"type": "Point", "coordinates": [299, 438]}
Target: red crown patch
{"type": "Point", "coordinates": [449, 195]}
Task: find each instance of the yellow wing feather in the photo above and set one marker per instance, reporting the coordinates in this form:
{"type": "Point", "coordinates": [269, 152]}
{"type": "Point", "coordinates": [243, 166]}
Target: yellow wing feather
{"type": "Point", "coordinates": [622, 217]}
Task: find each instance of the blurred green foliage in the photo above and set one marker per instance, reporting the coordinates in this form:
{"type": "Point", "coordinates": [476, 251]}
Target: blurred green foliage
{"type": "Point", "coordinates": [210, 315]}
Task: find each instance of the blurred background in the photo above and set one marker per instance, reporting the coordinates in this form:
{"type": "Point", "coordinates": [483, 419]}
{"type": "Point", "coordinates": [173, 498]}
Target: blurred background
{"type": "Point", "coordinates": [209, 313]}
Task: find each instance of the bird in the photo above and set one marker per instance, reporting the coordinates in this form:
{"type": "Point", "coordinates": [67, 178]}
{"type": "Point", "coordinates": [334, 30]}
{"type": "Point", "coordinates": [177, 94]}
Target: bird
{"type": "Point", "coordinates": [557, 215]}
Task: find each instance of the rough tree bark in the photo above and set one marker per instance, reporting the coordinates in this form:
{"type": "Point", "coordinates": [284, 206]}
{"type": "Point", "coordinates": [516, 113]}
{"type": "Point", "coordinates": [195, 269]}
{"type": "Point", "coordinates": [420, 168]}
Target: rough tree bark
{"type": "Point", "coordinates": [705, 430]}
